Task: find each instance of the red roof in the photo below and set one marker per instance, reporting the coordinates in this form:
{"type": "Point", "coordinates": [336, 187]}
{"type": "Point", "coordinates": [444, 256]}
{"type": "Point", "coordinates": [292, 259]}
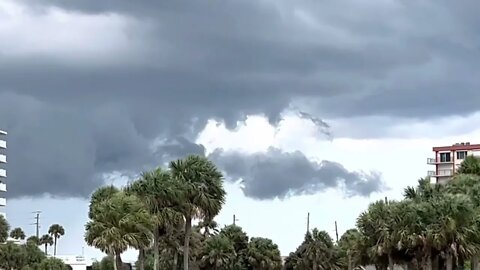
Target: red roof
{"type": "Point", "coordinates": [457, 147]}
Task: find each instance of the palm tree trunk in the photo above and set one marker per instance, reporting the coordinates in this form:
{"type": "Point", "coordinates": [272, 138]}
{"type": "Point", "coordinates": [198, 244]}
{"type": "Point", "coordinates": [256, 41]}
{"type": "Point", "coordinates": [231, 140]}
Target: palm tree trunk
{"type": "Point", "coordinates": [141, 259]}
{"type": "Point", "coordinates": [449, 262]}
{"type": "Point", "coordinates": [175, 260]}
{"type": "Point", "coordinates": [55, 247]}
{"type": "Point", "coordinates": [475, 262]}
{"type": "Point", "coordinates": [350, 264]}
{"type": "Point", "coordinates": [391, 264]}
{"type": "Point", "coordinates": [186, 245]}
{"type": "Point", "coordinates": [156, 252]}
{"type": "Point", "coordinates": [118, 261]}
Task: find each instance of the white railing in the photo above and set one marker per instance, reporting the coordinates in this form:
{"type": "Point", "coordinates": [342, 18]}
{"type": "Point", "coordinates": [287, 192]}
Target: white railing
{"type": "Point", "coordinates": [3, 187]}
{"type": "Point", "coordinates": [3, 144]}
{"type": "Point", "coordinates": [3, 173]}
{"type": "Point", "coordinates": [3, 202]}
{"type": "Point", "coordinates": [445, 172]}
{"type": "Point", "coordinates": [440, 173]}
{"type": "Point", "coordinates": [3, 158]}
{"type": "Point", "coordinates": [431, 161]}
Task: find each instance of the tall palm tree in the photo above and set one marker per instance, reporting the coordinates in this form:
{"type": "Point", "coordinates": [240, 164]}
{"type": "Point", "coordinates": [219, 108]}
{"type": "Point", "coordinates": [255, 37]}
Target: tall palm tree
{"type": "Point", "coordinates": [119, 222]}
{"type": "Point", "coordinates": [320, 251]}
{"type": "Point", "coordinates": [203, 193]}
{"type": "Point", "coordinates": [46, 240]}
{"type": "Point", "coordinates": [56, 231]}
{"type": "Point", "coordinates": [349, 244]}
{"type": "Point", "coordinates": [17, 234]}
{"type": "Point", "coordinates": [160, 195]}
{"type": "Point", "coordinates": [4, 228]}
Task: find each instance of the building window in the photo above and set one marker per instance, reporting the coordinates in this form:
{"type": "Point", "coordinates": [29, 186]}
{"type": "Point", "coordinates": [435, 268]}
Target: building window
{"type": "Point", "coordinates": [445, 157]}
{"type": "Point", "coordinates": [461, 155]}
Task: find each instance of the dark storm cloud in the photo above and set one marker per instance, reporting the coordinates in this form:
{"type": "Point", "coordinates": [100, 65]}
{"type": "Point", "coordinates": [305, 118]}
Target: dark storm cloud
{"type": "Point", "coordinates": [277, 174]}
{"type": "Point", "coordinates": [71, 122]}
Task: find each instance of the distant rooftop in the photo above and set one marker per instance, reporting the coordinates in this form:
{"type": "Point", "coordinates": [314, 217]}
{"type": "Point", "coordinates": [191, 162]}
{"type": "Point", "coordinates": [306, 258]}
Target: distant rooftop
{"type": "Point", "coordinates": [3, 132]}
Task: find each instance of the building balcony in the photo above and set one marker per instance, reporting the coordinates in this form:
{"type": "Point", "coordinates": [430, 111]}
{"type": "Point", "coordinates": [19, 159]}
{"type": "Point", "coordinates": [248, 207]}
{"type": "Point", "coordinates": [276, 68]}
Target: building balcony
{"type": "Point", "coordinates": [3, 173]}
{"type": "Point", "coordinates": [432, 161]}
{"type": "Point", "coordinates": [3, 158]}
{"type": "Point", "coordinates": [440, 173]}
{"type": "Point", "coordinates": [3, 202]}
{"type": "Point", "coordinates": [3, 187]}
{"type": "Point", "coordinates": [3, 144]}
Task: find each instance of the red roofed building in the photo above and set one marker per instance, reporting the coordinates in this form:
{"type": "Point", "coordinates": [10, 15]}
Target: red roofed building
{"type": "Point", "coordinates": [448, 158]}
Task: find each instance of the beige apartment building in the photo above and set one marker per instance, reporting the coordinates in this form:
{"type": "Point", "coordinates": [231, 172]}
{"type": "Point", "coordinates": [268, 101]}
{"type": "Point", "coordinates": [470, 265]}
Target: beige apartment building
{"type": "Point", "coordinates": [447, 159]}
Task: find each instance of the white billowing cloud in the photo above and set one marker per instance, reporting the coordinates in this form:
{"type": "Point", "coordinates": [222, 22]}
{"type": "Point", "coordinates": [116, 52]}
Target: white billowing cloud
{"type": "Point", "coordinates": [401, 161]}
{"type": "Point", "coordinates": [54, 33]}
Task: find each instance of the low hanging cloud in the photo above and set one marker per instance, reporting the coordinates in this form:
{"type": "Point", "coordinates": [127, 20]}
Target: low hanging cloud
{"type": "Point", "coordinates": [277, 174]}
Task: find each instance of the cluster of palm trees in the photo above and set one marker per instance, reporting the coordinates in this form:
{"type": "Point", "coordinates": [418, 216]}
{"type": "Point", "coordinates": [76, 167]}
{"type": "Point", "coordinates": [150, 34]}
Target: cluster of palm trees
{"type": "Point", "coordinates": [434, 227]}
{"type": "Point", "coordinates": [155, 215]}
{"type": "Point", "coordinates": [14, 256]}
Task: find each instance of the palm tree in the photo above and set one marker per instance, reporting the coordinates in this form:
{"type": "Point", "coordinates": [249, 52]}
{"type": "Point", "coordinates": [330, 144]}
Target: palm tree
{"type": "Point", "coordinates": [159, 194]}
{"type": "Point", "coordinates": [119, 222]}
{"type": "Point", "coordinates": [46, 240]}
{"type": "Point", "coordinates": [34, 240]}
{"type": "Point", "coordinates": [218, 253]}
{"type": "Point", "coordinates": [56, 231]}
{"type": "Point", "coordinates": [203, 193]}
{"type": "Point", "coordinates": [4, 228]}
{"type": "Point", "coordinates": [349, 244]}
{"type": "Point", "coordinates": [17, 234]}
{"type": "Point", "coordinates": [470, 165]}
{"type": "Point", "coordinates": [263, 254]}
{"type": "Point", "coordinates": [320, 251]}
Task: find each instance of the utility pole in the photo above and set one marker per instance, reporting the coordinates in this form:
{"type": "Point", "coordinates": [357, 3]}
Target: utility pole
{"type": "Point", "coordinates": [234, 220]}
{"type": "Point", "coordinates": [336, 230]}
{"type": "Point", "coordinates": [37, 222]}
{"type": "Point", "coordinates": [386, 200]}
{"type": "Point", "coordinates": [308, 222]}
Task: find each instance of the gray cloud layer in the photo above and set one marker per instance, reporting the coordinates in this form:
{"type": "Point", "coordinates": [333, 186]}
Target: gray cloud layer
{"type": "Point", "coordinates": [70, 123]}
{"type": "Point", "coordinates": [277, 174]}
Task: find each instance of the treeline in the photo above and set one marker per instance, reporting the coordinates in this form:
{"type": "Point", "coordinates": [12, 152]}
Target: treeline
{"type": "Point", "coordinates": [26, 256]}
{"type": "Point", "coordinates": [434, 227]}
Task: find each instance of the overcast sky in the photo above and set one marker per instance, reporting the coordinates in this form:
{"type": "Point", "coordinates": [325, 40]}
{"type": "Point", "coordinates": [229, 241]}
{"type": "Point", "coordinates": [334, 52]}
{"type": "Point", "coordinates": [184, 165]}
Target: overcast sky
{"type": "Point", "coordinates": [307, 106]}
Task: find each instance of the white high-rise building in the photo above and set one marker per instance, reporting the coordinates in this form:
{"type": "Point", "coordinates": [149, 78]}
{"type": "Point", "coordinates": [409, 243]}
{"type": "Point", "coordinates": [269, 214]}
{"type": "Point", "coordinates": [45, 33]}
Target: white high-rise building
{"type": "Point", "coordinates": [3, 171]}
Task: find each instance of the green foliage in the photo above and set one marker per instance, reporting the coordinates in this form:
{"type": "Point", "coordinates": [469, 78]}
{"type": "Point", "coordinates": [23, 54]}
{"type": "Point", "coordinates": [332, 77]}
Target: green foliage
{"type": "Point", "coordinates": [470, 165]}
{"type": "Point", "coordinates": [263, 254]}
{"type": "Point", "coordinates": [33, 240]}
{"type": "Point", "coordinates": [4, 228]}
{"type": "Point", "coordinates": [52, 264]}
{"type": "Point", "coordinates": [14, 256]}
{"type": "Point", "coordinates": [218, 253]}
